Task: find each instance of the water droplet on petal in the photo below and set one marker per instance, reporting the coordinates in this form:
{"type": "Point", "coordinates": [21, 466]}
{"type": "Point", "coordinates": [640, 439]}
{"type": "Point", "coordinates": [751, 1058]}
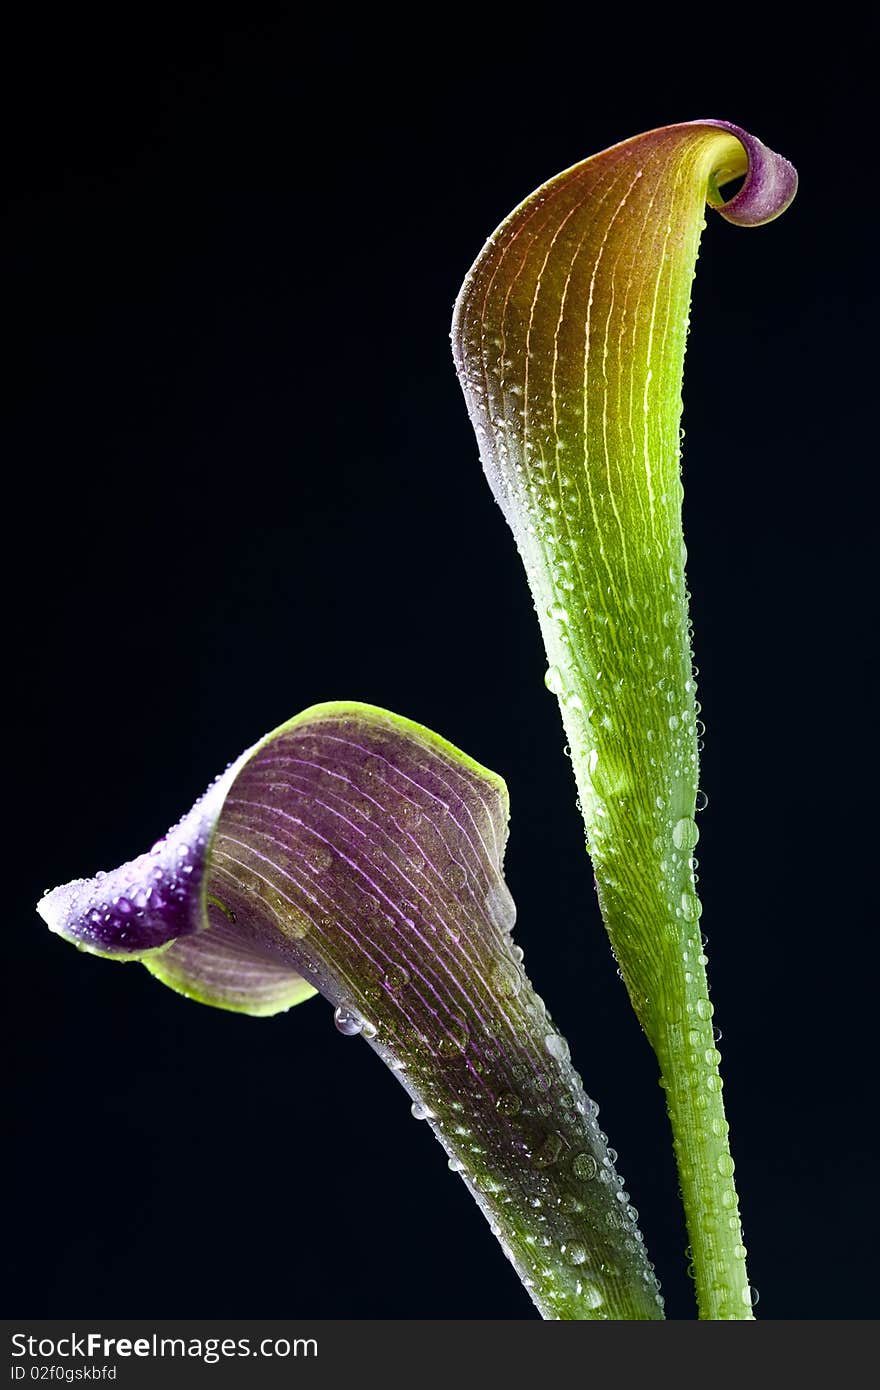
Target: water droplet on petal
{"type": "Point", "coordinates": [506, 979]}
{"type": "Point", "coordinates": [548, 1151]}
{"type": "Point", "coordinates": [585, 1167]}
{"type": "Point", "coordinates": [454, 875]}
{"type": "Point", "coordinates": [557, 1047]}
{"type": "Point", "coordinates": [347, 1021]}
{"type": "Point", "coordinates": [500, 907]}
{"type": "Point", "coordinates": [685, 833]}
{"type": "Point", "coordinates": [508, 1104]}
{"type": "Point", "coordinates": [395, 978]}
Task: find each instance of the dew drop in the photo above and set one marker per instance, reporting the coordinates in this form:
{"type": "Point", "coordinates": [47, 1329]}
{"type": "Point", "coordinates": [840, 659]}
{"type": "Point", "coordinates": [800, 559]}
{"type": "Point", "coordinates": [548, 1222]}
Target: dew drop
{"type": "Point", "coordinates": [557, 1047]}
{"type": "Point", "coordinates": [395, 978]}
{"type": "Point", "coordinates": [548, 1152]}
{"type": "Point", "coordinates": [585, 1167]}
{"type": "Point", "coordinates": [553, 680]}
{"type": "Point", "coordinates": [347, 1021]}
{"type": "Point", "coordinates": [506, 979]}
{"type": "Point", "coordinates": [725, 1165]}
{"type": "Point", "coordinates": [508, 1104]}
{"type": "Point", "coordinates": [500, 907]}
{"type": "Point", "coordinates": [685, 833]}
{"type": "Point", "coordinates": [454, 875]}
{"type": "Point", "coordinates": [702, 801]}
{"type": "Point", "coordinates": [591, 1296]}
{"type": "Point", "coordinates": [576, 1255]}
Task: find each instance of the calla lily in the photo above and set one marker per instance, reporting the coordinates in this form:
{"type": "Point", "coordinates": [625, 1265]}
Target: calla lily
{"type": "Point", "coordinates": [569, 338]}
{"type": "Point", "coordinates": [353, 853]}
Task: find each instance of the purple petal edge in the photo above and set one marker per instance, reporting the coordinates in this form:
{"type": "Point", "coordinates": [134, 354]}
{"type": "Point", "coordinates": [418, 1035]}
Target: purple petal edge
{"type": "Point", "coordinates": [150, 901]}
{"type": "Point", "coordinates": [770, 183]}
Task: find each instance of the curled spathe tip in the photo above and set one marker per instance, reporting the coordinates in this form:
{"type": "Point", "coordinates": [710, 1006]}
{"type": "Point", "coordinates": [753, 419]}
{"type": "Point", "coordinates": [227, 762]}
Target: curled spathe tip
{"type": "Point", "coordinates": [770, 183]}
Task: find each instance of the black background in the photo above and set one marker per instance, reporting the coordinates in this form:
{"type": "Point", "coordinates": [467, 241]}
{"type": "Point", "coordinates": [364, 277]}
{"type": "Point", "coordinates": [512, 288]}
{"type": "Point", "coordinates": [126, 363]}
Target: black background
{"type": "Point", "coordinates": [241, 479]}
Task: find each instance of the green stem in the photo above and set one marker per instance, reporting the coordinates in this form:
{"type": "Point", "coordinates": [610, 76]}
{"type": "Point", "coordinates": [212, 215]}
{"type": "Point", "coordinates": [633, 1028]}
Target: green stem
{"type": "Point", "coordinates": [638, 792]}
{"type": "Point", "coordinates": [512, 1115]}
{"type": "Point", "coordinates": [685, 1047]}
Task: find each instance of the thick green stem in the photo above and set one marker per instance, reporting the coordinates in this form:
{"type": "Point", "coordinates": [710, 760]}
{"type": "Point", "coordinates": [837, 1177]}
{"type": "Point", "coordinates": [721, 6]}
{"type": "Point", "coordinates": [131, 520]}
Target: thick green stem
{"type": "Point", "coordinates": [685, 1045]}
{"type": "Point", "coordinates": [636, 771]}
